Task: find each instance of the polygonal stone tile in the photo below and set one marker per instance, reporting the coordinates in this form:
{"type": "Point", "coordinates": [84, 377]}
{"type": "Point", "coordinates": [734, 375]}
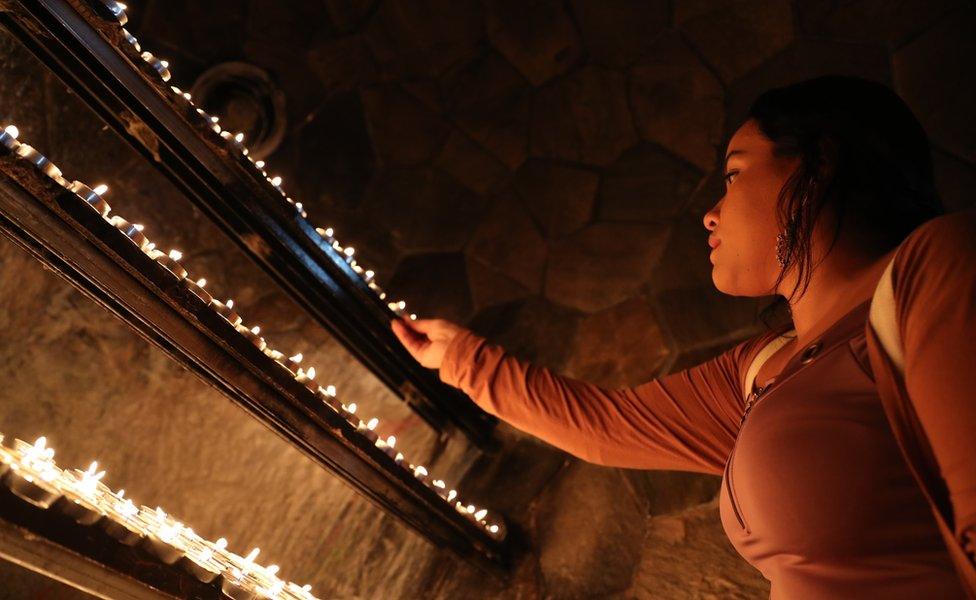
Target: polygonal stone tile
{"type": "Point", "coordinates": [537, 36]}
{"type": "Point", "coordinates": [342, 63]}
{"type": "Point", "coordinates": [347, 15]}
{"type": "Point", "coordinates": [736, 36]}
{"type": "Point", "coordinates": [415, 38]}
{"type": "Point", "coordinates": [531, 329]}
{"type": "Point", "coordinates": [955, 180]}
{"type": "Point", "coordinates": [619, 347]}
{"type": "Point", "coordinates": [646, 184]}
{"type": "Point", "coordinates": [698, 317]}
{"type": "Point", "coordinates": [677, 102]}
{"type": "Point", "coordinates": [424, 210]}
{"type": "Point", "coordinates": [603, 264]}
{"type": "Point", "coordinates": [470, 164]}
{"type": "Point", "coordinates": [889, 22]}
{"type": "Point", "coordinates": [489, 287]}
{"type": "Point", "coordinates": [489, 100]}
{"type": "Point", "coordinates": [583, 117]}
{"type": "Point", "coordinates": [560, 197]}
{"type": "Point", "coordinates": [617, 32]}
{"type": "Point", "coordinates": [333, 156]}
{"type": "Point", "coordinates": [403, 130]}
{"type": "Point", "coordinates": [684, 262]}
{"type": "Point", "coordinates": [507, 240]}
{"type": "Point", "coordinates": [591, 529]}
{"type": "Point", "coordinates": [433, 286]}
{"type": "Point", "coordinates": [804, 59]}
{"type": "Point", "coordinates": [944, 103]}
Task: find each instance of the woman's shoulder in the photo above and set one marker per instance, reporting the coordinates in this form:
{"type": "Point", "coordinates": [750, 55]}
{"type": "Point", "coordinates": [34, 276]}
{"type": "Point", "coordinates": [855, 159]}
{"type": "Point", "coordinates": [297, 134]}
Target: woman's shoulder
{"type": "Point", "coordinates": [947, 234]}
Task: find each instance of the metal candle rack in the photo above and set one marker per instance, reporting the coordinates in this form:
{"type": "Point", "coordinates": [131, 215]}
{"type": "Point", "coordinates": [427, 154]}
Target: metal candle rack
{"type": "Point", "coordinates": [70, 227]}
{"type": "Point", "coordinates": [85, 43]}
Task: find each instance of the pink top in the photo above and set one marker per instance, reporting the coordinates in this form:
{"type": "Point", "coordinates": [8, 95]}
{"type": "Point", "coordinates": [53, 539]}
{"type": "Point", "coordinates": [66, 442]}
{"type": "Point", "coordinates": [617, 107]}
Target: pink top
{"type": "Point", "coordinates": [815, 493]}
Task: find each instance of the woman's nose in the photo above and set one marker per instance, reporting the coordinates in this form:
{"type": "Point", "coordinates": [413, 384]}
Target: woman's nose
{"type": "Point", "coordinates": [711, 218]}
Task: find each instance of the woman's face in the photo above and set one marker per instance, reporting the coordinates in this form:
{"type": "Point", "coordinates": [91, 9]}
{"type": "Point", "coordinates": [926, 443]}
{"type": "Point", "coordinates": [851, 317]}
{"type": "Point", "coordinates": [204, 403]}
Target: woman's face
{"type": "Point", "coordinates": [743, 222]}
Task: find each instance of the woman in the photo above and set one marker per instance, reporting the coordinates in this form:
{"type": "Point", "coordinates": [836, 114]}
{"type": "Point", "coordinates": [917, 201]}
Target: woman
{"type": "Point", "coordinates": [826, 181]}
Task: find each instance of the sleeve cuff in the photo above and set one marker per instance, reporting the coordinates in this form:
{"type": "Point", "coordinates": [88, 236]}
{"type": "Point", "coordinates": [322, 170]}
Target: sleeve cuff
{"type": "Point", "coordinates": [459, 357]}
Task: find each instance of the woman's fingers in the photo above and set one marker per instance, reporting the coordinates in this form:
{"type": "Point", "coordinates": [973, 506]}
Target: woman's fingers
{"type": "Point", "coordinates": [414, 341]}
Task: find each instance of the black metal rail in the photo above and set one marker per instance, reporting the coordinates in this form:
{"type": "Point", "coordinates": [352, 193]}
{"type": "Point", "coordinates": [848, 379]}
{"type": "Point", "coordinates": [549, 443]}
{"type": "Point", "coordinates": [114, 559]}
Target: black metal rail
{"type": "Point", "coordinates": [76, 242]}
{"type": "Point", "coordinates": [91, 56]}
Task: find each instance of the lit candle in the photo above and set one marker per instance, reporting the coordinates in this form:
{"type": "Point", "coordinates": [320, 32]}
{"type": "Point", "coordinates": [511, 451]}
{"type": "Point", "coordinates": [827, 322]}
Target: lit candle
{"type": "Point", "coordinates": [307, 378]}
{"type": "Point", "coordinates": [131, 39]}
{"type": "Point", "coordinates": [226, 310]}
{"type": "Point", "coordinates": [161, 66]}
{"type": "Point", "coordinates": [162, 533]}
{"type": "Point", "coordinates": [451, 495]}
{"type": "Point", "coordinates": [116, 10]}
{"type": "Point", "coordinates": [8, 138]}
{"type": "Point", "coordinates": [172, 264]}
{"type": "Point", "coordinates": [196, 287]}
{"type": "Point", "coordinates": [388, 446]}
{"type": "Point", "coordinates": [132, 230]}
{"type": "Point", "coordinates": [30, 154]}
{"type": "Point", "coordinates": [291, 362]}
{"type": "Point", "coordinates": [440, 487]}
{"type": "Point", "coordinates": [92, 197]}
{"type": "Point", "coordinates": [398, 307]}
{"type": "Point", "coordinates": [328, 395]}
{"type": "Point", "coordinates": [368, 429]}
{"type": "Point", "coordinates": [349, 412]}
{"type": "Point", "coordinates": [325, 233]}
{"type": "Point", "coordinates": [481, 514]}
{"type": "Point", "coordinates": [123, 524]}
{"type": "Point", "coordinates": [252, 336]}
{"type": "Point", "coordinates": [420, 472]}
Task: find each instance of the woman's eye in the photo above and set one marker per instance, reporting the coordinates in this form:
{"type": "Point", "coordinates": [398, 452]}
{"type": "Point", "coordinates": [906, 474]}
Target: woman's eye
{"type": "Point", "coordinates": [729, 176]}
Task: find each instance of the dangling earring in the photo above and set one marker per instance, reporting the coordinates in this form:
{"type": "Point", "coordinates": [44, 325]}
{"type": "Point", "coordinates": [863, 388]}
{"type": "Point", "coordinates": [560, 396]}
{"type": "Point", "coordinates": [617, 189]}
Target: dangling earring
{"type": "Point", "coordinates": [781, 247]}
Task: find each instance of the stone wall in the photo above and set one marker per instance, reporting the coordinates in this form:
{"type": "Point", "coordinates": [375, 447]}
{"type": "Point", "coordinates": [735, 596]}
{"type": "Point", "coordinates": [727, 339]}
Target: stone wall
{"type": "Point", "coordinates": [537, 170]}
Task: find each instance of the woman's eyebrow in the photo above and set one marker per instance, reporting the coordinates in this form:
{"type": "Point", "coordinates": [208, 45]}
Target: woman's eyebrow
{"type": "Point", "coordinates": [731, 154]}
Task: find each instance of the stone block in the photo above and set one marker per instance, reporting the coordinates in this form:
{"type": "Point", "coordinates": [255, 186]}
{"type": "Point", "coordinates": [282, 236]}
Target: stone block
{"type": "Point", "coordinates": [537, 36]}
{"type": "Point", "coordinates": [583, 117]}
{"type": "Point", "coordinates": [342, 63]}
{"type": "Point", "coordinates": [591, 529]}
{"type": "Point", "coordinates": [488, 99]}
{"type": "Point", "coordinates": [603, 264]}
{"type": "Point", "coordinates": [736, 36]}
{"type": "Point", "coordinates": [423, 209]}
{"type": "Point", "coordinates": [617, 32]}
{"type": "Point", "coordinates": [489, 287]}
{"type": "Point", "coordinates": [435, 286]}
{"type": "Point", "coordinates": [687, 555]}
{"type": "Point", "coordinates": [943, 104]}
{"type": "Point", "coordinates": [560, 197]}
{"type": "Point", "coordinates": [886, 22]}
{"type": "Point", "coordinates": [417, 38]}
{"type": "Point", "coordinates": [646, 184]}
{"type": "Point", "coordinates": [404, 131]}
{"type": "Point", "coordinates": [531, 329]}
{"type": "Point", "coordinates": [470, 164]}
{"type": "Point", "coordinates": [507, 240]}
{"type": "Point", "coordinates": [619, 347]}
{"type": "Point", "coordinates": [704, 316]}
{"type": "Point", "coordinates": [678, 102]}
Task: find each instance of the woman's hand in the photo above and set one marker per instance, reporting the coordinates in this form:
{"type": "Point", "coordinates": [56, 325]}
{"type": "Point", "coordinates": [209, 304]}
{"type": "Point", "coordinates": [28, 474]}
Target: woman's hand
{"type": "Point", "coordinates": [426, 339]}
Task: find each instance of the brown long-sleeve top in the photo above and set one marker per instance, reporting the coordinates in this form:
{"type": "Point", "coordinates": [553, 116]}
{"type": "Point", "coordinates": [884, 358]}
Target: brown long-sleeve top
{"type": "Point", "coordinates": [815, 492]}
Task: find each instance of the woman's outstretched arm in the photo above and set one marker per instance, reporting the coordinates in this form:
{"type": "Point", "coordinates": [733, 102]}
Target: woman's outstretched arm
{"type": "Point", "coordinates": [683, 421]}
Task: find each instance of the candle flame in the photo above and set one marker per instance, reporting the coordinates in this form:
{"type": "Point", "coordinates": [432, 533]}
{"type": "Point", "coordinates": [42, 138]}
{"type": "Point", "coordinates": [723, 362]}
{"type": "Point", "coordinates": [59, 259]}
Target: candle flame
{"type": "Point", "coordinates": [369, 273]}
{"type": "Point", "coordinates": [100, 189]}
{"type": "Point", "coordinates": [297, 358]}
{"type": "Point", "coordinates": [493, 529]}
{"type": "Point", "coordinates": [256, 330]}
{"type": "Point", "coordinates": [259, 164]}
{"type": "Point", "coordinates": [331, 390]}
{"type": "Point", "coordinates": [391, 441]}
{"type": "Point", "coordinates": [272, 569]}
{"type": "Point", "coordinates": [349, 251]}
{"type": "Point", "coordinates": [352, 407]}
{"type": "Point", "coordinates": [214, 119]}
{"type": "Point", "coordinates": [221, 543]}
{"type": "Point", "coordinates": [12, 131]}
{"type": "Point", "coordinates": [372, 423]}
{"type": "Point", "coordinates": [229, 303]}
{"type": "Point", "coordinates": [175, 254]}
{"type": "Point", "coordinates": [451, 495]}
{"type": "Point", "coordinates": [438, 483]}
{"type": "Point", "coordinates": [201, 282]}
{"type": "Point", "coordinates": [402, 304]}
{"type": "Point", "coordinates": [481, 514]}
{"type": "Point", "coordinates": [151, 246]}
{"type": "Point", "coordinates": [239, 137]}
{"type": "Point", "coordinates": [252, 555]}
{"type": "Point", "coordinates": [470, 508]}
{"type": "Point", "coordinates": [165, 63]}
{"type": "Point", "coordinates": [420, 470]}
{"type": "Point", "coordinates": [311, 373]}
{"type": "Point", "coordinates": [276, 180]}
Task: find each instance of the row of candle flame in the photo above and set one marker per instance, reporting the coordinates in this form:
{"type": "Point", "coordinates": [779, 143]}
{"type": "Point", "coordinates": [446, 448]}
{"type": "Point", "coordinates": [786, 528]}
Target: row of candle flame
{"type": "Point", "coordinates": [235, 141]}
{"type": "Point", "coordinates": [94, 198]}
{"type": "Point", "coordinates": [29, 472]}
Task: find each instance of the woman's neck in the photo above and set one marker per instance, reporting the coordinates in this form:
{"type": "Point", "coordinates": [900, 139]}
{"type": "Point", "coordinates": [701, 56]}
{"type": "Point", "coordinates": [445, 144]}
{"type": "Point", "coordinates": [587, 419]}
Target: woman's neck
{"type": "Point", "coordinates": [840, 283]}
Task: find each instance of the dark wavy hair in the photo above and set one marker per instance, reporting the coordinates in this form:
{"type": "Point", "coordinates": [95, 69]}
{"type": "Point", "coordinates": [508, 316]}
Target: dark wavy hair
{"type": "Point", "coordinates": [863, 155]}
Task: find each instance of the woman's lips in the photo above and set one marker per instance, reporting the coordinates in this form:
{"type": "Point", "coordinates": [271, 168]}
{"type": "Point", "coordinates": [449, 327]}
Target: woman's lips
{"type": "Point", "coordinates": [713, 242]}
